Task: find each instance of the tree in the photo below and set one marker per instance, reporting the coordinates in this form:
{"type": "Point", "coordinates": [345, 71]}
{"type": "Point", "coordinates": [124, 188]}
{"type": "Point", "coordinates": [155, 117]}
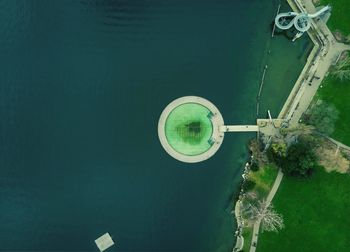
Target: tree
{"type": "Point", "coordinates": [264, 212]}
{"type": "Point", "coordinates": [323, 116]}
{"type": "Point", "coordinates": [300, 159]}
{"type": "Point", "coordinates": [248, 185]}
{"type": "Point", "coordinates": [342, 70]}
{"type": "Point", "coordinates": [254, 166]}
{"type": "Point", "coordinates": [300, 129]}
{"type": "Point", "coordinates": [277, 152]}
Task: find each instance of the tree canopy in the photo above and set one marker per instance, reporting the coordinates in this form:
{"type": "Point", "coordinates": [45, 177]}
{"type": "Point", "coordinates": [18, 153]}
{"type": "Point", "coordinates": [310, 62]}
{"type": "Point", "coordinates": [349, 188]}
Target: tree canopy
{"type": "Point", "coordinates": [277, 152]}
{"type": "Point", "coordinates": [323, 116]}
{"type": "Point", "coordinates": [299, 159]}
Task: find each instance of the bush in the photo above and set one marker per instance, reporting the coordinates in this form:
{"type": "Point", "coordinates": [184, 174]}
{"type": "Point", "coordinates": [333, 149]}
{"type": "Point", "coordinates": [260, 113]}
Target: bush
{"type": "Point", "coordinates": [248, 185]}
{"type": "Point", "coordinates": [300, 160]}
{"type": "Point", "coordinates": [276, 153]}
{"type": "Point", "coordinates": [254, 166]}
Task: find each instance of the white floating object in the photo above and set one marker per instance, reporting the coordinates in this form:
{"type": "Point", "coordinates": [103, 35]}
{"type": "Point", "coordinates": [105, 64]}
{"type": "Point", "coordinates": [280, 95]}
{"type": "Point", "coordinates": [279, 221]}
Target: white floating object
{"type": "Point", "coordinates": [104, 242]}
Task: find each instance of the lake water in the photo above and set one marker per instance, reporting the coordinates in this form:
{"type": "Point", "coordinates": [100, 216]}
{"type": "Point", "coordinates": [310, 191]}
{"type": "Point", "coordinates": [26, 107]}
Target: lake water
{"type": "Point", "coordinates": [82, 86]}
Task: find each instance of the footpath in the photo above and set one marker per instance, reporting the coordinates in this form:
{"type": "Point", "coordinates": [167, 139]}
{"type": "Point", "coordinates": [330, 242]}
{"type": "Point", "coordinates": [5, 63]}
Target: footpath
{"type": "Point", "coordinates": [324, 54]}
{"type": "Point", "coordinates": [269, 198]}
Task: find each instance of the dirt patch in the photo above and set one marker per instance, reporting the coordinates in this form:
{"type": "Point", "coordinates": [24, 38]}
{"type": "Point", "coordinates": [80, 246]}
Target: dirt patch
{"type": "Point", "coordinates": [333, 158]}
{"type": "Point", "coordinates": [343, 56]}
{"type": "Point", "coordinates": [340, 37]}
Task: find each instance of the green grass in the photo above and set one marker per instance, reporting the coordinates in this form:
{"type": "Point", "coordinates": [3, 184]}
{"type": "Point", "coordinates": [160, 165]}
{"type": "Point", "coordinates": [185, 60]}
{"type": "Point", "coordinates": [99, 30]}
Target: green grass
{"type": "Point", "coordinates": [338, 94]}
{"type": "Point", "coordinates": [316, 210]}
{"type": "Point", "coordinates": [263, 179]}
{"type": "Point", "coordinates": [340, 17]}
{"type": "Point", "coordinates": [247, 233]}
{"type": "Point", "coordinates": [316, 214]}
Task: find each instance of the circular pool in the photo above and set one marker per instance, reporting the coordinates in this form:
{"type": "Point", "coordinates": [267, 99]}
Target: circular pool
{"type": "Point", "coordinates": [188, 129]}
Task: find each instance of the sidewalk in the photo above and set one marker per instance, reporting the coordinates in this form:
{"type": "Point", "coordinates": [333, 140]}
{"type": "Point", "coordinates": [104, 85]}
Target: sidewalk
{"type": "Point", "coordinates": [324, 54]}
{"type": "Point", "coordinates": [339, 144]}
{"type": "Point", "coordinates": [269, 198]}
{"type": "Point", "coordinates": [328, 50]}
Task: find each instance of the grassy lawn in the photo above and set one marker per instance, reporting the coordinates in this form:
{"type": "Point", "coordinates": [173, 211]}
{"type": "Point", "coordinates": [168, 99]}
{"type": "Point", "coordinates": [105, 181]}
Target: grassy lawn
{"type": "Point", "coordinates": [247, 234]}
{"type": "Point", "coordinates": [316, 210]}
{"type": "Point", "coordinates": [340, 17]}
{"type": "Point", "coordinates": [338, 94]}
{"type": "Point", "coordinates": [263, 179]}
{"type": "Point", "coordinates": [316, 214]}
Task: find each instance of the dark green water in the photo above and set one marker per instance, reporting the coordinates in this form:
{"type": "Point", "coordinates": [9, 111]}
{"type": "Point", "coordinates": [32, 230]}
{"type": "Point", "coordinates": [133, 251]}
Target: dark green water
{"type": "Point", "coordinates": [82, 86]}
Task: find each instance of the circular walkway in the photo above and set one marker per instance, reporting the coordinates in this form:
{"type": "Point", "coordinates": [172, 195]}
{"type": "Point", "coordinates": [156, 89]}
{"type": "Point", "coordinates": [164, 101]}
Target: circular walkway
{"type": "Point", "coordinates": [188, 129]}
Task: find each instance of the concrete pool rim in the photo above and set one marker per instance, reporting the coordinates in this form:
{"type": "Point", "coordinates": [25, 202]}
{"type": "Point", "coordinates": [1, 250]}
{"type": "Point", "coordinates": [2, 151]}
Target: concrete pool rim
{"type": "Point", "coordinates": [216, 120]}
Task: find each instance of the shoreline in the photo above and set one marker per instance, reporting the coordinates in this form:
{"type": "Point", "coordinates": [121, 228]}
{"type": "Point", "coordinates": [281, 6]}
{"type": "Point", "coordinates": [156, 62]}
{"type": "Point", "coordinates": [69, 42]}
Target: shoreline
{"type": "Point", "coordinates": [321, 57]}
{"type": "Point", "coordinates": [237, 211]}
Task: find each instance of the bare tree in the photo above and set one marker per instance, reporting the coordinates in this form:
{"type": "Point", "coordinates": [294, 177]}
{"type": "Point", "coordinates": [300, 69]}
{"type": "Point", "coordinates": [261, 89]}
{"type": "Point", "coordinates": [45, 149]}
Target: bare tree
{"type": "Point", "coordinates": [323, 116]}
{"type": "Point", "coordinates": [264, 212]}
{"type": "Point", "coordinates": [300, 129]}
{"type": "Point", "coordinates": [342, 70]}
{"type": "Point", "coordinates": [348, 38]}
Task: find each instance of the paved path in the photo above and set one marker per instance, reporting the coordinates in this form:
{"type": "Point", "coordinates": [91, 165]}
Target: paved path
{"type": "Point", "coordinates": [321, 58]}
{"type": "Point", "coordinates": [325, 54]}
{"type": "Point", "coordinates": [239, 128]}
{"type": "Point", "coordinates": [339, 144]}
{"type": "Point", "coordinates": [272, 194]}
{"type": "Point", "coordinates": [310, 84]}
{"type": "Point", "coordinates": [269, 198]}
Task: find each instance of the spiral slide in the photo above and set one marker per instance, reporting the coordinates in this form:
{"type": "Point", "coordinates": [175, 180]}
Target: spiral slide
{"type": "Point", "coordinates": [301, 21]}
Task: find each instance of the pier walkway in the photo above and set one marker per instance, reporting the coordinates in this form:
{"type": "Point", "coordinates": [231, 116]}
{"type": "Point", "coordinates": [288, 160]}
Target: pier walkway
{"type": "Point", "coordinates": [239, 128]}
{"type": "Point", "coordinates": [324, 54]}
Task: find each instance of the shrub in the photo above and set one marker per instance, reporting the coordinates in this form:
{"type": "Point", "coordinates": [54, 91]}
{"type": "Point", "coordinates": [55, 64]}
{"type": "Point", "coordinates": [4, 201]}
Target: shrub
{"type": "Point", "coordinates": [300, 160]}
{"type": "Point", "coordinates": [276, 153]}
{"type": "Point", "coordinates": [248, 185]}
{"type": "Point", "coordinates": [254, 166]}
